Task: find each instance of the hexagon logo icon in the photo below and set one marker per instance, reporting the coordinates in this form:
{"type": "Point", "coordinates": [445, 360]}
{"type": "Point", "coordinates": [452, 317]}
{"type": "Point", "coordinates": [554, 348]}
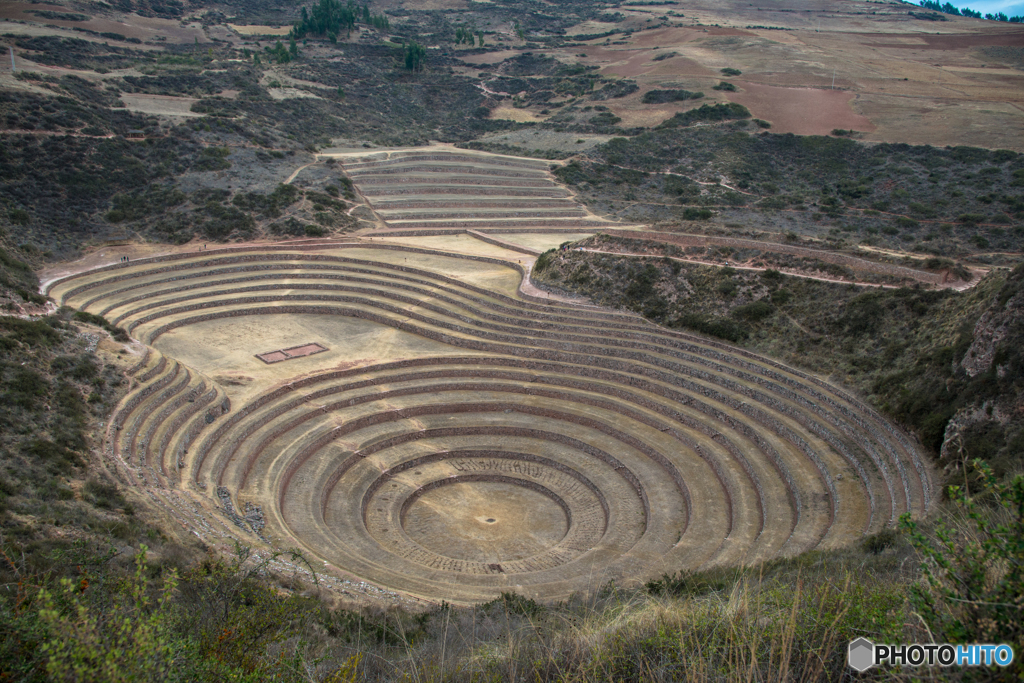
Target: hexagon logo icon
{"type": "Point", "coordinates": [861, 656]}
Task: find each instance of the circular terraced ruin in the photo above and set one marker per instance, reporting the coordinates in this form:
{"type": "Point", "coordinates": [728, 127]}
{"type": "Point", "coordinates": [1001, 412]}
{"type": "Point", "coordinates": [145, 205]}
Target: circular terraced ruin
{"type": "Point", "coordinates": [410, 418]}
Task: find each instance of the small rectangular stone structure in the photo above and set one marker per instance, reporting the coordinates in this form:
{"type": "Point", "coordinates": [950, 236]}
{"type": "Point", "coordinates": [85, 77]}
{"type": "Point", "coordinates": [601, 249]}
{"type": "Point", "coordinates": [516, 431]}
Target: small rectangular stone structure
{"type": "Point", "coordinates": [289, 353]}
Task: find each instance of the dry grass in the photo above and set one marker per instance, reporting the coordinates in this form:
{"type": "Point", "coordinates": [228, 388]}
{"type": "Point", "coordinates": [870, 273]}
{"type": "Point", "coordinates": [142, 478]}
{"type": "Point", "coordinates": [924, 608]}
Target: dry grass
{"type": "Point", "coordinates": [260, 30]}
{"type": "Point", "coordinates": [790, 621]}
{"type": "Point", "coordinates": [513, 114]}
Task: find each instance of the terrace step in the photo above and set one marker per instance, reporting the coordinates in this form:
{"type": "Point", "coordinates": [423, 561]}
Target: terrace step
{"type": "Point", "coordinates": [641, 449]}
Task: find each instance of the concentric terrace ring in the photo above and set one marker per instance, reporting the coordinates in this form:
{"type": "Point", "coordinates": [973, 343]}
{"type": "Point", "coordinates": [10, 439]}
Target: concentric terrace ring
{"type": "Point", "coordinates": [548, 449]}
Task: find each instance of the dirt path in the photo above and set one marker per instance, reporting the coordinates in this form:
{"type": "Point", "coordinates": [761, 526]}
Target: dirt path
{"type": "Point", "coordinates": [960, 286]}
{"type": "Point", "coordinates": [12, 131]}
{"type": "Point", "coordinates": [528, 288]}
{"type": "Point", "coordinates": [300, 169]}
{"type": "Point", "coordinates": [720, 182]}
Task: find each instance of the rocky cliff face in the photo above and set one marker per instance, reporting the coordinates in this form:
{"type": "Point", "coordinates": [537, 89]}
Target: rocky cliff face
{"type": "Point", "coordinates": [992, 329]}
{"type": "Point", "coordinates": [990, 422]}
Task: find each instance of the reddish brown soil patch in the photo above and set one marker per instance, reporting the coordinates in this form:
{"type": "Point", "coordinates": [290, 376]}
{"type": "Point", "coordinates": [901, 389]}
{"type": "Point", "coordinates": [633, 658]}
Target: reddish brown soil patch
{"type": "Point", "coordinates": [804, 111]}
{"type": "Point", "coordinates": [131, 25]}
{"type": "Point", "coordinates": [957, 41]}
{"type": "Point", "coordinates": [17, 10]}
{"type": "Point", "coordinates": [292, 352]}
{"type": "Point", "coordinates": [636, 63]}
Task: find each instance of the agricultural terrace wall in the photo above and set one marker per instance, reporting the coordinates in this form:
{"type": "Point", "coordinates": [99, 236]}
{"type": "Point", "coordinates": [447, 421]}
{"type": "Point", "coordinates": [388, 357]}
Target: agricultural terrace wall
{"type": "Point", "coordinates": [735, 387]}
{"type": "Point", "coordinates": [540, 183]}
{"type": "Point", "coordinates": [457, 158]}
{"type": "Point", "coordinates": [755, 414]}
{"type": "Point", "coordinates": [468, 170]}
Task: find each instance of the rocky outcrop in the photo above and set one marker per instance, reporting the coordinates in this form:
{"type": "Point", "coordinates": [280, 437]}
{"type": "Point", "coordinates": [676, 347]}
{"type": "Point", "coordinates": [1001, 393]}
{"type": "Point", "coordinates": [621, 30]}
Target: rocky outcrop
{"type": "Point", "coordinates": [992, 329]}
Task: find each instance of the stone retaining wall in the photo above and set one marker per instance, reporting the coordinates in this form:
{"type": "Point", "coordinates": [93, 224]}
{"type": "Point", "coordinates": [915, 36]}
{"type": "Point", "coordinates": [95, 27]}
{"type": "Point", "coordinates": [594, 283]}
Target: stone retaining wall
{"type": "Point", "coordinates": [470, 158]}
{"type": "Point", "coordinates": [447, 170]}
{"type": "Point", "coordinates": [744, 428]}
{"type": "Point", "coordinates": [835, 443]}
{"type": "Point", "coordinates": [481, 191]}
{"type": "Point", "coordinates": [491, 215]}
{"type": "Point", "coordinates": [403, 204]}
{"type": "Point", "coordinates": [427, 181]}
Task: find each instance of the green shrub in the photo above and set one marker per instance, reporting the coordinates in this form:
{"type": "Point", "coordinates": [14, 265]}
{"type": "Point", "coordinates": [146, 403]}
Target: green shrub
{"type": "Point", "coordinates": [752, 312]}
{"type": "Point", "coordinates": [717, 112]}
{"type": "Point", "coordinates": [974, 573]}
{"type": "Point", "coordinates": [723, 328]}
{"type": "Point", "coordinates": [19, 216]}
{"type": "Point", "coordinates": [214, 159]}
{"type": "Point", "coordinates": [605, 118]}
{"type": "Point", "coordinates": [692, 584]}
{"type": "Point", "coordinates": [880, 542]}
{"type": "Point", "coordinates": [103, 495]}
{"type": "Point", "coordinates": [513, 603]}
{"type": "Point", "coordinates": [131, 641]}
{"type": "Point", "coordinates": [544, 260]}
{"type": "Point", "coordinates": [665, 96]}
{"type": "Point", "coordinates": [29, 332]}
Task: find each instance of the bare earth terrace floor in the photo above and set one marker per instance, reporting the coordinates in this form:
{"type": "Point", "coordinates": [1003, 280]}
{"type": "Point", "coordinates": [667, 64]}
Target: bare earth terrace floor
{"type": "Point", "coordinates": [458, 438]}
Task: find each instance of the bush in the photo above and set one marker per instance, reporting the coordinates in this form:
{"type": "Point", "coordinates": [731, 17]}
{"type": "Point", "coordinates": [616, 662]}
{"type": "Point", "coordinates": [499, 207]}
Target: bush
{"type": "Point", "coordinates": [214, 159]}
{"type": "Point", "coordinates": [130, 642]}
{"type": "Point", "coordinates": [974, 573]}
{"type": "Point", "coordinates": [754, 311]}
{"type": "Point", "coordinates": [544, 260]}
{"type": "Point", "coordinates": [84, 317]}
{"type": "Point", "coordinates": [725, 85]}
{"type": "Point", "coordinates": [880, 542]}
{"type": "Point", "coordinates": [19, 216]}
{"type": "Point", "coordinates": [605, 118]}
{"type": "Point", "coordinates": [665, 96]}
{"type": "Point", "coordinates": [723, 328]}
{"type": "Point", "coordinates": [717, 112]}
{"type": "Point", "coordinates": [691, 584]}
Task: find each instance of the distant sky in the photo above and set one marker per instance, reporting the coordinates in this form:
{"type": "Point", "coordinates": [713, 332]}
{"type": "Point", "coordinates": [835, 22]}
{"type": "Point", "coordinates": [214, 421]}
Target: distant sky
{"type": "Point", "coordinates": [1008, 7]}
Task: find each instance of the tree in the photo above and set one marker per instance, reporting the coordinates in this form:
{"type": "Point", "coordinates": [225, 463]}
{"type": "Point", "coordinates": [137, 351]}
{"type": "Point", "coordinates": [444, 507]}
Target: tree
{"type": "Point", "coordinates": [293, 48]}
{"type": "Point", "coordinates": [327, 16]}
{"type": "Point", "coordinates": [465, 34]}
{"type": "Point", "coordinates": [414, 56]}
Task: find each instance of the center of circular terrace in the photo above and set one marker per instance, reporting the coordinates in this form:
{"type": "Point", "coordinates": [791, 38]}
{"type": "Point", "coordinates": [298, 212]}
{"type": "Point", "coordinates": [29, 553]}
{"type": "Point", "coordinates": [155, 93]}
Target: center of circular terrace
{"type": "Point", "coordinates": [485, 521]}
